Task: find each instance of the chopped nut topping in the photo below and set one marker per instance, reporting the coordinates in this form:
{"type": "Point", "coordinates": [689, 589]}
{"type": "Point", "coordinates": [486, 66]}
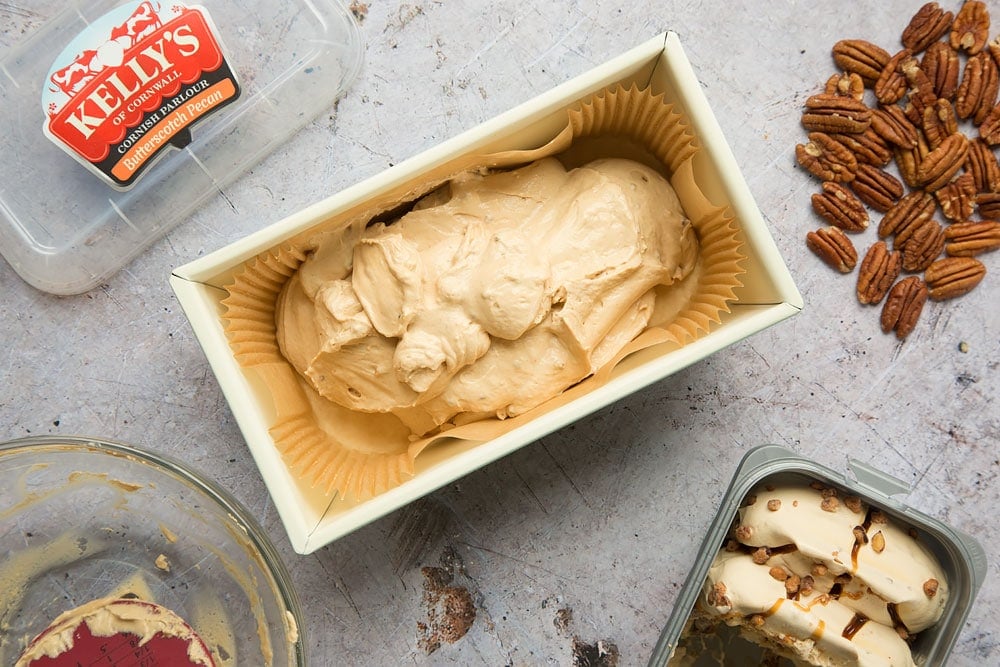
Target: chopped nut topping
{"type": "Point", "coordinates": [769, 487]}
{"type": "Point", "coordinates": [829, 492]}
{"type": "Point", "coordinates": [819, 570]}
{"type": "Point", "coordinates": [732, 545]}
{"type": "Point", "coordinates": [761, 555]}
{"type": "Point", "coordinates": [878, 542]}
{"type": "Point", "coordinates": [819, 486]}
{"type": "Point", "coordinates": [878, 516]}
{"type": "Point", "coordinates": [854, 504]}
{"type": "Point", "coordinates": [843, 579]}
{"type": "Point", "coordinates": [743, 533]}
{"type": "Point", "coordinates": [860, 536]}
{"type": "Point", "coordinates": [912, 532]}
{"type": "Point", "coordinates": [901, 631]}
{"type": "Point", "coordinates": [931, 587]}
{"type": "Point", "coordinates": [757, 620]}
{"type": "Point", "coordinates": [795, 503]}
{"type": "Point", "coordinates": [717, 596]}
{"type": "Point", "coordinates": [792, 584]}
{"type": "Point", "coordinates": [830, 504]}
{"type": "Point", "coordinates": [806, 587]}
{"type": "Point", "coordinates": [778, 573]}
{"type": "Point", "coordinates": [774, 504]}
{"type": "Point", "coordinates": [751, 499]}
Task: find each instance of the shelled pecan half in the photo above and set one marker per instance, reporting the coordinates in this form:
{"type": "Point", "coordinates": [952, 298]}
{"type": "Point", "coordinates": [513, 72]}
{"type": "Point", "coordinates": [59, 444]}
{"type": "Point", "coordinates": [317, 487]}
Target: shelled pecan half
{"type": "Point", "coordinates": [952, 277]}
{"type": "Point", "coordinates": [903, 306]}
{"type": "Point", "coordinates": [965, 239]}
{"type": "Point", "coordinates": [840, 207]}
{"type": "Point", "coordinates": [834, 247]}
{"type": "Point", "coordinates": [879, 270]}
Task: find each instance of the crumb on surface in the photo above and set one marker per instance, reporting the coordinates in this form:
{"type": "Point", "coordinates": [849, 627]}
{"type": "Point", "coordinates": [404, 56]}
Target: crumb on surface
{"type": "Point", "coordinates": [359, 9]}
{"type": "Point", "coordinates": [162, 562]}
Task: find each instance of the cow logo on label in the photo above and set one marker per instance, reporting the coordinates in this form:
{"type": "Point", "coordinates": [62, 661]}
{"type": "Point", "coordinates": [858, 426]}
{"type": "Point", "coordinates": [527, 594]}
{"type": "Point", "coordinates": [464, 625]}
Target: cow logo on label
{"type": "Point", "coordinates": [132, 84]}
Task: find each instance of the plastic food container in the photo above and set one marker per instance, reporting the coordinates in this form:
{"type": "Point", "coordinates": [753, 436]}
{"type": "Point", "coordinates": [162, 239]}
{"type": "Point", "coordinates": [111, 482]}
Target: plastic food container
{"type": "Point", "coordinates": [64, 229]}
{"type": "Point", "coordinates": [961, 557]}
{"type": "Point", "coordinates": [768, 294]}
{"type": "Point", "coordinates": [86, 520]}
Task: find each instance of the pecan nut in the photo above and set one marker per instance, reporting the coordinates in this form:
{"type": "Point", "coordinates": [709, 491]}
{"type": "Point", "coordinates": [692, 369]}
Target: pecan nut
{"type": "Point", "coordinates": [879, 270]}
{"type": "Point", "coordinates": [923, 247]}
{"type": "Point", "coordinates": [989, 129]}
{"type": "Point", "coordinates": [988, 204]}
{"type": "Point", "coordinates": [941, 164]}
{"type": "Point", "coordinates": [846, 84]}
{"type": "Point", "coordinates": [826, 158]}
{"type": "Point", "coordinates": [939, 122]}
{"type": "Point", "coordinates": [977, 93]}
{"type": "Point", "coordinates": [958, 198]}
{"type": "Point", "coordinates": [861, 57]}
{"type": "Point", "coordinates": [834, 247]}
{"type": "Point", "coordinates": [867, 146]}
{"type": "Point", "coordinates": [836, 113]}
{"type": "Point", "coordinates": [908, 160]}
{"type": "Point", "coordinates": [927, 26]}
{"type": "Point", "coordinates": [971, 27]}
{"type": "Point", "coordinates": [903, 306]}
{"type": "Point", "coordinates": [983, 166]}
{"type": "Point", "coordinates": [909, 214]}
{"type": "Point", "coordinates": [840, 207]}
{"type": "Point", "coordinates": [890, 87]}
{"type": "Point", "coordinates": [965, 239]}
{"type": "Point", "coordinates": [921, 93]}
{"type": "Point", "coordinates": [941, 65]}
{"type": "Point", "coordinates": [891, 124]}
{"type": "Point", "coordinates": [952, 277]}
{"type": "Point", "coordinates": [876, 187]}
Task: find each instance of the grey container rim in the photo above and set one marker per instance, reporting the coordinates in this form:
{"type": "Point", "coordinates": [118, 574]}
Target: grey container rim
{"type": "Point", "coordinates": [765, 460]}
{"type": "Point", "coordinates": [233, 507]}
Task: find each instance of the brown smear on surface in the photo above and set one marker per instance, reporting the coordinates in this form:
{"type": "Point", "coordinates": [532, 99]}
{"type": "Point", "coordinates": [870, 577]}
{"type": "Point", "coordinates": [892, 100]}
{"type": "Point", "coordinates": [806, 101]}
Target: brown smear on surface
{"type": "Point", "coordinates": [562, 620]}
{"type": "Point", "coordinates": [451, 610]}
{"type": "Point", "coordinates": [601, 654]}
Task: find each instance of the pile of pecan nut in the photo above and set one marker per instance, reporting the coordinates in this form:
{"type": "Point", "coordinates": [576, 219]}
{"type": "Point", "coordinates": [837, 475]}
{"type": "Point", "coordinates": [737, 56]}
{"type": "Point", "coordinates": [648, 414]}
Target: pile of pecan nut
{"type": "Point", "coordinates": [936, 118]}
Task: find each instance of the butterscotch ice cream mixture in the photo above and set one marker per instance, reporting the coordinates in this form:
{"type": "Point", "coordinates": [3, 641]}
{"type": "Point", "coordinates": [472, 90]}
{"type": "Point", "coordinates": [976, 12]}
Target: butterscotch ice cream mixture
{"type": "Point", "coordinates": [493, 294]}
{"type": "Point", "coordinates": [824, 579]}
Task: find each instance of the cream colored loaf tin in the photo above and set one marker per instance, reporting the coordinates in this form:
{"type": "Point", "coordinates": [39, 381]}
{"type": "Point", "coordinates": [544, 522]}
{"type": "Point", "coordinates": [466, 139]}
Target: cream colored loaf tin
{"type": "Point", "coordinates": [768, 295]}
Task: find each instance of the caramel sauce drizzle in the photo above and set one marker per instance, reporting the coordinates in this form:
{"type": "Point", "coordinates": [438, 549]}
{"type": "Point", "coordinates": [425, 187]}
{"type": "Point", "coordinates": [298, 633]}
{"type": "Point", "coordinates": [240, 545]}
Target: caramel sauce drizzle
{"type": "Point", "coordinates": [855, 624]}
{"type": "Point", "coordinates": [817, 634]}
{"type": "Point", "coordinates": [858, 543]}
{"type": "Point", "coordinates": [783, 549]}
{"type": "Point", "coordinates": [774, 608]}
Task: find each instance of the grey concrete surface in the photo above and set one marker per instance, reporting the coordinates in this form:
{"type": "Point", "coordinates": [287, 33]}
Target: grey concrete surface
{"type": "Point", "coordinates": [582, 540]}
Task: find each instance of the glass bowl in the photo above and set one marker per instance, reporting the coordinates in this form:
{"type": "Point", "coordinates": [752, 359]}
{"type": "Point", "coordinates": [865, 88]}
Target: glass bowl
{"type": "Point", "coordinates": [83, 519]}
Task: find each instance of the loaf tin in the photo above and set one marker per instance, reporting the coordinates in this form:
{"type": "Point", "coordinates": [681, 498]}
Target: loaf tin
{"type": "Point", "coordinates": [962, 558]}
{"type": "Point", "coordinates": [768, 294]}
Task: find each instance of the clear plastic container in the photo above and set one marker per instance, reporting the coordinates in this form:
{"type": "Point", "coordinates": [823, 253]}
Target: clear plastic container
{"type": "Point", "coordinates": [64, 230]}
{"type": "Point", "coordinates": [961, 557]}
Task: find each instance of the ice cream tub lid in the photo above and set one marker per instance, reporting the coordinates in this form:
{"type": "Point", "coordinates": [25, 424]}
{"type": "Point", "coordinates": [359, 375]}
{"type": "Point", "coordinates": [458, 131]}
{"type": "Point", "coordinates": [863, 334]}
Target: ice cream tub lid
{"type": "Point", "coordinates": [962, 558]}
{"type": "Point", "coordinates": [146, 111]}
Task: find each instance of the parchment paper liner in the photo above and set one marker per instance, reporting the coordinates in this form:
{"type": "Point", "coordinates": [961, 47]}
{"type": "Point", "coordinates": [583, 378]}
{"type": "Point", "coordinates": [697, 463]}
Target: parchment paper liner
{"type": "Point", "coordinates": [362, 455]}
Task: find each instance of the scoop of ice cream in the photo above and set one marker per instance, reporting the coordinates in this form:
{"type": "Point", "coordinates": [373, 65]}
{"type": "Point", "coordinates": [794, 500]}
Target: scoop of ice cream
{"type": "Point", "coordinates": [491, 295]}
{"type": "Point", "coordinates": [830, 579]}
{"type": "Point", "coordinates": [814, 627]}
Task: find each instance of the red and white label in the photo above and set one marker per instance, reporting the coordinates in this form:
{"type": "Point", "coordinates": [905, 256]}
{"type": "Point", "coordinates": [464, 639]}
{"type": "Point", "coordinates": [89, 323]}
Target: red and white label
{"type": "Point", "coordinates": [138, 79]}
